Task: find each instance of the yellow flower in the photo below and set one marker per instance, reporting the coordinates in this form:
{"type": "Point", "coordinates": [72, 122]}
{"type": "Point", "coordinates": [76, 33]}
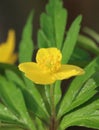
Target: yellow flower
{"type": "Point", "coordinates": [7, 49]}
{"type": "Point", "coordinates": [48, 68]}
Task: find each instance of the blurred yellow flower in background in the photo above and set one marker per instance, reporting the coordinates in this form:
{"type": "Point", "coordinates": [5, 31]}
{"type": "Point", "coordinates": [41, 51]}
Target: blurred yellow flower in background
{"type": "Point", "coordinates": [7, 54]}
{"type": "Point", "coordinates": [48, 67]}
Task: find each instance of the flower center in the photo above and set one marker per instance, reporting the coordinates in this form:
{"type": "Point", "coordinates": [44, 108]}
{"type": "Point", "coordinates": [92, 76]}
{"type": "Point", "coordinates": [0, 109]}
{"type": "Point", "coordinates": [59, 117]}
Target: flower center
{"type": "Point", "coordinates": [49, 59]}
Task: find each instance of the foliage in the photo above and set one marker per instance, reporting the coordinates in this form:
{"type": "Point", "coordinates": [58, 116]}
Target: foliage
{"type": "Point", "coordinates": [26, 105]}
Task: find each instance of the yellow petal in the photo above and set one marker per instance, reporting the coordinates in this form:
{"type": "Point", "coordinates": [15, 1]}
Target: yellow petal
{"type": "Point", "coordinates": [7, 48]}
{"type": "Point", "coordinates": [11, 40]}
{"type": "Point", "coordinates": [12, 59]}
{"type": "Point", "coordinates": [34, 73]}
{"type": "Point", "coordinates": [68, 71]}
{"type": "Point", "coordinates": [49, 59]}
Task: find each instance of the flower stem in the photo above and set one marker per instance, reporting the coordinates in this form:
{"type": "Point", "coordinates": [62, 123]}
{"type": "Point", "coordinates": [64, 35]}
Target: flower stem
{"type": "Point", "coordinates": [53, 113]}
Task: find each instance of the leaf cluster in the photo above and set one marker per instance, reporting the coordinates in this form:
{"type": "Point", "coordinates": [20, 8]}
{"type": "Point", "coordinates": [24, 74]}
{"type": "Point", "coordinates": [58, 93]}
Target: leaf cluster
{"type": "Point", "coordinates": [25, 105]}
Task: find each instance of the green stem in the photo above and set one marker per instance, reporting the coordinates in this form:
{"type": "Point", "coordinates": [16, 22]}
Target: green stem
{"type": "Point", "coordinates": [53, 113]}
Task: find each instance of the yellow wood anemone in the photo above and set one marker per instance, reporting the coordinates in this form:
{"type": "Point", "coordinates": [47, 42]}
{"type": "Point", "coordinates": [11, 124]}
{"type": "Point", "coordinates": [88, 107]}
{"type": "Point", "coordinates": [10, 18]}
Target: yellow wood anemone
{"type": "Point", "coordinates": [7, 54]}
{"type": "Point", "coordinates": [48, 68]}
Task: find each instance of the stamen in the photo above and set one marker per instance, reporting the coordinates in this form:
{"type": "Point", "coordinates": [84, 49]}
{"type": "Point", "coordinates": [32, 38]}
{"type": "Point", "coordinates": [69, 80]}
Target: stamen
{"type": "Point", "coordinates": [49, 59]}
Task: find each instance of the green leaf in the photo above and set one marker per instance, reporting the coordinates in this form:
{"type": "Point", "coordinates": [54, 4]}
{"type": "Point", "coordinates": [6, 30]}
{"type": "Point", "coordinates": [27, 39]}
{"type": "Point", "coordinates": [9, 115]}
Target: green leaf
{"type": "Point", "coordinates": [10, 128]}
{"type": "Point", "coordinates": [40, 125]}
{"type": "Point", "coordinates": [4, 66]}
{"type": "Point", "coordinates": [52, 24]}
{"type": "Point", "coordinates": [47, 94]}
{"type": "Point", "coordinates": [37, 96]}
{"type": "Point", "coordinates": [88, 44]}
{"type": "Point", "coordinates": [88, 90]}
{"type": "Point", "coordinates": [12, 97]}
{"type": "Point", "coordinates": [26, 55]}
{"type": "Point", "coordinates": [34, 107]}
{"type": "Point", "coordinates": [71, 39]}
{"type": "Point", "coordinates": [76, 86]}
{"type": "Point", "coordinates": [14, 77]}
{"type": "Point", "coordinates": [6, 115]}
{"type": "Point", "coordinates": [57, 92]}
{"type": "Point", "coordinates": [35, 93]}
{"type": "Point", "coordinates": [43, 40]}
{"type": "Point", "coordinates": [91, 33]}
{"type": "Point", "coordinates": [26, 45]}
{"type": "Point", "coordinates": [34, 100]}
{"type": "Point", "coordinates": [28, 88]}
{"type": "Point", "coordinates": [87, 116]}
{"type": "Point", "coordinates": [80, 57]}
{"type": "Point", "coordinates": [8, 119]}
